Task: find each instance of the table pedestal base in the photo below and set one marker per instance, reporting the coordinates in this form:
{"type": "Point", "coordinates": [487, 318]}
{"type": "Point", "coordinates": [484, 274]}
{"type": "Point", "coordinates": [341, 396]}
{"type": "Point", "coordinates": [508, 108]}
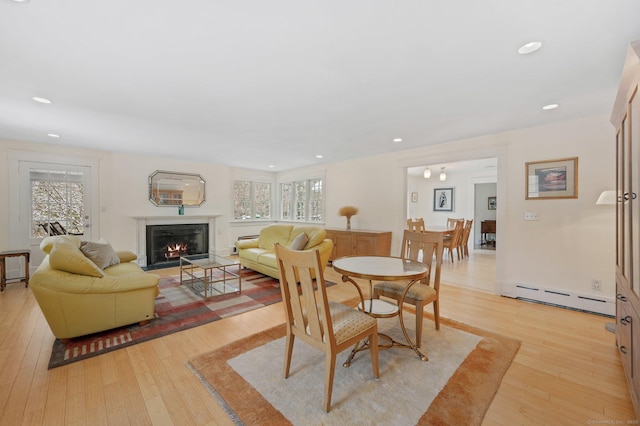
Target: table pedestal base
{"type": "Point", "coordinates": [390, 343]}
{"type": "Point", "coordinates": [378, 308]}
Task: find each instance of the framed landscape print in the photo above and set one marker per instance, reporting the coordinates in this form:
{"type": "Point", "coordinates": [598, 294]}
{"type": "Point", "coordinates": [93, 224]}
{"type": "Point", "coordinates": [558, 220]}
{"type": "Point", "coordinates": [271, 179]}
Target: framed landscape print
{"type": "Point", "coordinates": [443, 200]}
{"type": "Point", "coordinates": [552, 179]}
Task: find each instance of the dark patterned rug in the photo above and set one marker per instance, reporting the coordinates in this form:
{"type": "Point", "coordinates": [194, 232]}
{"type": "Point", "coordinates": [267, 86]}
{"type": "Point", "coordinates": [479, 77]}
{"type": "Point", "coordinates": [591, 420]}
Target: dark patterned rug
{"type": "Point", "coordinates": [176, 308]}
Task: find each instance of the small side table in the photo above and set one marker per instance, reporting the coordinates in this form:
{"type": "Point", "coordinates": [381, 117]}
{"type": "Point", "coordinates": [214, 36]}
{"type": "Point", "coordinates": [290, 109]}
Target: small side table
{"type": "Point", "coordinates": [3, 271]}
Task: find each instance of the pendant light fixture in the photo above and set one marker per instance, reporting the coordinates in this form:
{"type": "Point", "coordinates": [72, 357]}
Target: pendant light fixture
{"type": "Point", "coordinates": [427, 173]}
{"type": "Point", "coordinates": [443, 175]}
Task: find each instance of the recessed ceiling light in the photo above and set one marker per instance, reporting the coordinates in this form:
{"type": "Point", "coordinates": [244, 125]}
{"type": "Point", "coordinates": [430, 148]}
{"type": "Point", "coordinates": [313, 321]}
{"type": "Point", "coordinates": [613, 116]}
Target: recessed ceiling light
{"type": "Point", "coordinates": [41, 100]}
{"type": "Point", "coordinates": [397, 140]}
{"type": "Point", "coordinates": [21, 1]}
{"type": "Point", "coordinates": [271, 166]}
{"type": "Point", "coordinates": [53, 135]}
{"type": "Point", "coordinates": [550, 106]}
{"type": "Point", "coordinates": [319, 156]}
{"type": "Point", "coordinates": [530, 47]}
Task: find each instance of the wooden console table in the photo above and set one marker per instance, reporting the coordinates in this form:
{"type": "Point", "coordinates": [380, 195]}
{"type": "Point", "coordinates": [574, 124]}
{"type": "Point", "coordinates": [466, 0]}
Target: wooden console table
{"type": "Point", "coordinates": [352, 242]}
{"type": "Point", "coordinates": [3, 271]}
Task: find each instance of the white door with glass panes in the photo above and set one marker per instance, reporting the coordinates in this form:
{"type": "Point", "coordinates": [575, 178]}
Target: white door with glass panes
{"type": "Point", "coordinates": [54, 199]}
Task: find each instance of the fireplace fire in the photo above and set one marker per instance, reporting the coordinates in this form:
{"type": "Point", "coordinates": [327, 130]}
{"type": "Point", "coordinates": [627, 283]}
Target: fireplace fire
{"type": "Point", "coordinates": [174, 251]}
{"type": "Point", "coordinates": [166, 243]}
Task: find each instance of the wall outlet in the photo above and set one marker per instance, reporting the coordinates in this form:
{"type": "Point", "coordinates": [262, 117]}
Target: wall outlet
{"type": "Point", "coordinates": [596, 285]}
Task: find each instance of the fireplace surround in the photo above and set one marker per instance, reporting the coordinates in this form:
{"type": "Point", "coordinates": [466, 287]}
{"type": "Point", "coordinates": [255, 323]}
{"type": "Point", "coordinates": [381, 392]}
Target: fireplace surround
{"type": "Point", "coordinates": [166, 243]}
{"type": "Point", "coordinates": [142, 221]}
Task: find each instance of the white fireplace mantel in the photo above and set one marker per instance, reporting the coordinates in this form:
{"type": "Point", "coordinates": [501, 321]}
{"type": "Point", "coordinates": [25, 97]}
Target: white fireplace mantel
{"type": "Point", "coordinates": [143, 221]}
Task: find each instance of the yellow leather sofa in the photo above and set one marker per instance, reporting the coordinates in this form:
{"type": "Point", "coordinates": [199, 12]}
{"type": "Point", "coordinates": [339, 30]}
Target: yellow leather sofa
{"type": "Point", "coordinates": [77, 297]}
{"type": "Point", "coordinates": [259, 253]}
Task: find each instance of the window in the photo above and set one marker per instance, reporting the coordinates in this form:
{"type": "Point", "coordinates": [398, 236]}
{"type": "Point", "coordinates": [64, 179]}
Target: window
{"type": "Point", "coordinates": [251, 200]}
{"type": "Point", "coordinates": [302, 200]}
{"type": "Point", "coordinates": [57, 202]}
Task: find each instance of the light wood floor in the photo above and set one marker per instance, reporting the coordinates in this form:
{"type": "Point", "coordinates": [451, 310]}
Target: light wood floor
{"type": "Point", "coordinates": [566, 372]}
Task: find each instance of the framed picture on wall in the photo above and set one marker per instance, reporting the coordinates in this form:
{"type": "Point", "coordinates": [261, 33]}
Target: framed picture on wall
{"type": "Point", "coordinates": [552, 179]}
{"type": "Point", "coordinates": [492, 203]}
{"type": "Point", "coordinates": [414, 197]}
{"type": "Point", "coordinates": [443, 200]}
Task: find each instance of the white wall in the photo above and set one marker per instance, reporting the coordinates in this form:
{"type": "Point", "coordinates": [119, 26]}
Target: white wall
{"type": "Point", "coordinates": [572, 242]}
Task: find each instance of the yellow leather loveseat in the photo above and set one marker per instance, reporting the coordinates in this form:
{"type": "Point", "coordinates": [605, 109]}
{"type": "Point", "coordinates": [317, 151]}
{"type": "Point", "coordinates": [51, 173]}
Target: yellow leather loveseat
{"type": "Point", "coordinates": [87, 287]}
{"type": "Point", "coordinates": [259, 253]}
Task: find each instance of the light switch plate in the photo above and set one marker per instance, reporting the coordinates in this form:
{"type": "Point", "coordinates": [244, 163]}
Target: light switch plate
{"type": "Point", "coordinates": [531, 216]}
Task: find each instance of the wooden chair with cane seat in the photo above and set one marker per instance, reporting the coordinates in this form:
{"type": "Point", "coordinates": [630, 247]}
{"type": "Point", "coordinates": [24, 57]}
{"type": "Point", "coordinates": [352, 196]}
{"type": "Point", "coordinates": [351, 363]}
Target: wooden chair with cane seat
{"type": "Point", "coordinates": [430, 246]}
{"type": "Point", "coordinates": [452, 241]}
{"type": "Point", "coordinates": [330, 327]}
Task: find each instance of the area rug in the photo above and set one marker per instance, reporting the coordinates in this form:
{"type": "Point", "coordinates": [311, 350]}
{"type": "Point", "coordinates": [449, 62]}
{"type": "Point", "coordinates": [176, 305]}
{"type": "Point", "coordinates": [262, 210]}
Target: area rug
{"type": "Point", "coordinates": [176, 308]}
{"type": "Point", "coordinates": [456, 385]}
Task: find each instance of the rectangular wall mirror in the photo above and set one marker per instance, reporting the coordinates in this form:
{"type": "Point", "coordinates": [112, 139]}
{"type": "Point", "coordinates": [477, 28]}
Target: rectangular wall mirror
{"type": "Point", "coordinates": [174, 189]}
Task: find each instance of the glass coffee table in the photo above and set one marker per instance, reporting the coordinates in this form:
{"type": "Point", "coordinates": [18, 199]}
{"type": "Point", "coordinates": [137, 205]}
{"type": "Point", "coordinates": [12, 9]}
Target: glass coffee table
{"type": "Point", "coordinates": [199, 270]}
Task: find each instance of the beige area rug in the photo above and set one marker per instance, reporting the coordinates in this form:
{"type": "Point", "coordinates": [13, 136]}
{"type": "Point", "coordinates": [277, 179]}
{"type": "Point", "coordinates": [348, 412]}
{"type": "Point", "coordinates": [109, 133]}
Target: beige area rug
{"type": "Point", "coordinates": [456, 385]}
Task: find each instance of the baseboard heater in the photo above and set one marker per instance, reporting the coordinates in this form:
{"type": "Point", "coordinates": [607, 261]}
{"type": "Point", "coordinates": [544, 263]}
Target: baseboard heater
{"type": "Point", "coordinates": [566, 300]}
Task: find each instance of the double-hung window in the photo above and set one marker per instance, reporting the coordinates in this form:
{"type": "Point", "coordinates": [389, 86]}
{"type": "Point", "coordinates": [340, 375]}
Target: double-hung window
{"type": "Point", "coordinates": [251, 200]}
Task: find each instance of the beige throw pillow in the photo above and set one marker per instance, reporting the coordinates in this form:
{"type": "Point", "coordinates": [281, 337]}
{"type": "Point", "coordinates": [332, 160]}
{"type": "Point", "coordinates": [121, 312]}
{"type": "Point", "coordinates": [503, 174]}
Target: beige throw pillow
{"type": "Point", "coordinates": [65, 256]}
{"type": "Point", "coordinates": [102, 254]}
{"type": "Point", "coordinates": [299, 242]}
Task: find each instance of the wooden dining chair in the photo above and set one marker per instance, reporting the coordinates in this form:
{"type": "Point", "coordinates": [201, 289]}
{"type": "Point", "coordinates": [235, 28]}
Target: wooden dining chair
{"type": "Point", "coordinates": [453, 241]}
{"type": "Point", "coordinates": [451, 221]}
{"type": "Point", "coordinates": [330, 327]}
{"type": "Point", "coordinates": [416, 225]}
{"type": "Point", "coordinates": [466, 232]}
{"type": "Point", "coordinates": [428, 248]}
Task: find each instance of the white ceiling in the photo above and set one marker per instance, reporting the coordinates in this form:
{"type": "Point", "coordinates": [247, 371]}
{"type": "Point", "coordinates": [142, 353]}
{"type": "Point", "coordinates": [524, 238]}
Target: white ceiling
{"type": "Point", "coordinates": [255, 83]}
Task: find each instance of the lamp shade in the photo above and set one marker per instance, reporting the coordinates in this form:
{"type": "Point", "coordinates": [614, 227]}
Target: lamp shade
{"type": "Point", "coordinates": [427, 173]}
{"type": "Point", "coordinates": [443, 175]}
{"type": "Point", "coordinates": [607, 198]}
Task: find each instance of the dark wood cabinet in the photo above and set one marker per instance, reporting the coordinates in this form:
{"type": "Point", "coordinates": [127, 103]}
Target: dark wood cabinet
{"type": "Point", "coordinates": [488, 227]}
{"type": "Point", "coordinates": [626, 119]}
{"type": "Point", "coordinates": [358, 242]}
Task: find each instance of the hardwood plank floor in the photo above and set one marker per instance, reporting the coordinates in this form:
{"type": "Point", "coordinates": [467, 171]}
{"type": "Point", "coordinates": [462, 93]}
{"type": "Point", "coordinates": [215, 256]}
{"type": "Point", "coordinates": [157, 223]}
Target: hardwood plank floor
{"type": "Point", "coordinates": [567, 370]}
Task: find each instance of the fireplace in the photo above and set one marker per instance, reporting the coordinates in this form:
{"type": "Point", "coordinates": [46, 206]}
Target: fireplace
{"type": "Point", "coordinates": [166, 243]}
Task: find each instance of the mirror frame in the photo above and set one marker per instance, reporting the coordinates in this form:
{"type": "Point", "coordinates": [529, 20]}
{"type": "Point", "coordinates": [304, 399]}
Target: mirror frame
{"type": "Point", "coordinates": [174, 194]}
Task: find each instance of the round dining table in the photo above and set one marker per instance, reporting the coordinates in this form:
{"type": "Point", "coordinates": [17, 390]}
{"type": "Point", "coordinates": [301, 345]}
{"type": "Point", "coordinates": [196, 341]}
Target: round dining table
{"type": "Point", "coordinates": [381, 268]}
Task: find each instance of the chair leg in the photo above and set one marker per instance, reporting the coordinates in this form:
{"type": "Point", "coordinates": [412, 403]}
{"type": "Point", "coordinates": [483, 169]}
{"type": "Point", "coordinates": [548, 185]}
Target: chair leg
{"type": "Point", "coordinates": [329, 366]}
{"type": "Point", "coordinates": [436, 313]}
{"type": "Point", "coordinates": [419, 315]}
{"type": "Point", "coordinates": [373, 350]}
{"type": "Point", "coordinates": [288, 350]}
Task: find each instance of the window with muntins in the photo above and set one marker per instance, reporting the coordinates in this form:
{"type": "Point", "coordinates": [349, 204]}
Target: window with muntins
{"type": "Point", "coordinates": [302, 200]}
{"type": "Point", "coordinates": [57, 202]}
{"type": "Point", "coordinates": [251, 200]}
